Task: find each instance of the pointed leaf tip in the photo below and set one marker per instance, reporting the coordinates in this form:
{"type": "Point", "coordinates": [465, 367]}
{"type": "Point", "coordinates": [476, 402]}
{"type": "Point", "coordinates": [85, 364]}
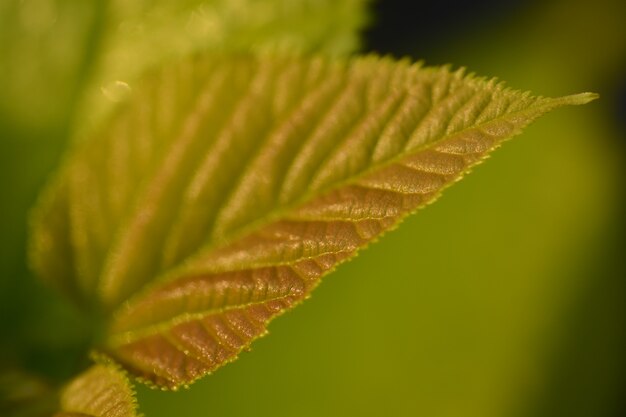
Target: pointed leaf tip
{"type": "Point", "coordinates": [578, 99]}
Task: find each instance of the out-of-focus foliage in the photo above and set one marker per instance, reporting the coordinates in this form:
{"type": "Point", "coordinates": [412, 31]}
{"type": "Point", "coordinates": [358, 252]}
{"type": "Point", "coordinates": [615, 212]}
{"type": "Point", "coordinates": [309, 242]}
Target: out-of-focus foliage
{"type": "Point", "coordinates": [23, 394]}
{"type": "Point", "coordinates": [100, 391]}
{"type": "Point", "coordinates": [46, 48]}
{"type": "Point", "coordinates": [140, 34]}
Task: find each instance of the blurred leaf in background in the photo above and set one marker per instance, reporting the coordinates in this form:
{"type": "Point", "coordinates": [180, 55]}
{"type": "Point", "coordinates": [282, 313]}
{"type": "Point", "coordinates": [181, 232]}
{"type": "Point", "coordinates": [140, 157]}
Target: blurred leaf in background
{"type": "Point", "coordinates": [140, 34]}
{"type": "Point", "coordinates": [47, 48]}
{"type": "Point", "coordinates": [504, 298]}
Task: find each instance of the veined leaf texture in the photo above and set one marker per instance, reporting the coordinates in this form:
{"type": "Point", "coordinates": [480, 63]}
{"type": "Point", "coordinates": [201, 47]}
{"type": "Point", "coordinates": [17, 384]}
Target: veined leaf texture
{"type": "Point", "coordinates": [220, 193]}
{"type": "Point", "coordinates": [101, 391]}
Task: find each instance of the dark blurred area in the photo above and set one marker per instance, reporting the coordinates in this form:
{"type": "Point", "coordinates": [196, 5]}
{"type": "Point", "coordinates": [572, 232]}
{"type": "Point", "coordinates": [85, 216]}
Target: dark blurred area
{"type": "Point", "coordinates": [404, 27]}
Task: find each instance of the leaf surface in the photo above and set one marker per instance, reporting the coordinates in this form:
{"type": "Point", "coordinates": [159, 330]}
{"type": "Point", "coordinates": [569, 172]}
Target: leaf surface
{"type": "Point", "coordinates": [222, 191]}
{"type": "Point", "coordinates": [101, 391]}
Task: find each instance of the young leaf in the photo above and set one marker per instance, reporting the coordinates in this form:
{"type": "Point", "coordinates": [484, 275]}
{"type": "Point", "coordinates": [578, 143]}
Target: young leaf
{"type": "Point", "coordinates": [222, 191]}
{"type": "Point", "coordinates": [101, 391]}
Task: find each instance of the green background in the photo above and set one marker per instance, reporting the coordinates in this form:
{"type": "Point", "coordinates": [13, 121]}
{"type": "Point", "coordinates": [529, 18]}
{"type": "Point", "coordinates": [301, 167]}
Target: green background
{"type": "Point", "coordinates": [505, 298]}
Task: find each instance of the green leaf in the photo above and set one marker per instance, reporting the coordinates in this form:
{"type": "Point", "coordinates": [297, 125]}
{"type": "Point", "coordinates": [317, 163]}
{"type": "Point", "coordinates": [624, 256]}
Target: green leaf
{"type": "Point", "coordinates": [101, 391]}
{"type": "Point", "coordinates": [326, 26]}
{"type": "Point", "coordinates": [224, 188]}
{"type": "Point", "coordinates": [142, 34]}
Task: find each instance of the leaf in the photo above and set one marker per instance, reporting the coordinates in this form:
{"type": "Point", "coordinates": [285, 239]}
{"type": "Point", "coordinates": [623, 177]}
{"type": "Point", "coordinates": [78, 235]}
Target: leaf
{"type": "Point", "coordinates": [323, 26]}
{"type": "Point", "coordinates": [141, 35]}
{"type": "Point", "coordinates": [101, 391]}
{"type": "Point", "coordinates": [222, 191]}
